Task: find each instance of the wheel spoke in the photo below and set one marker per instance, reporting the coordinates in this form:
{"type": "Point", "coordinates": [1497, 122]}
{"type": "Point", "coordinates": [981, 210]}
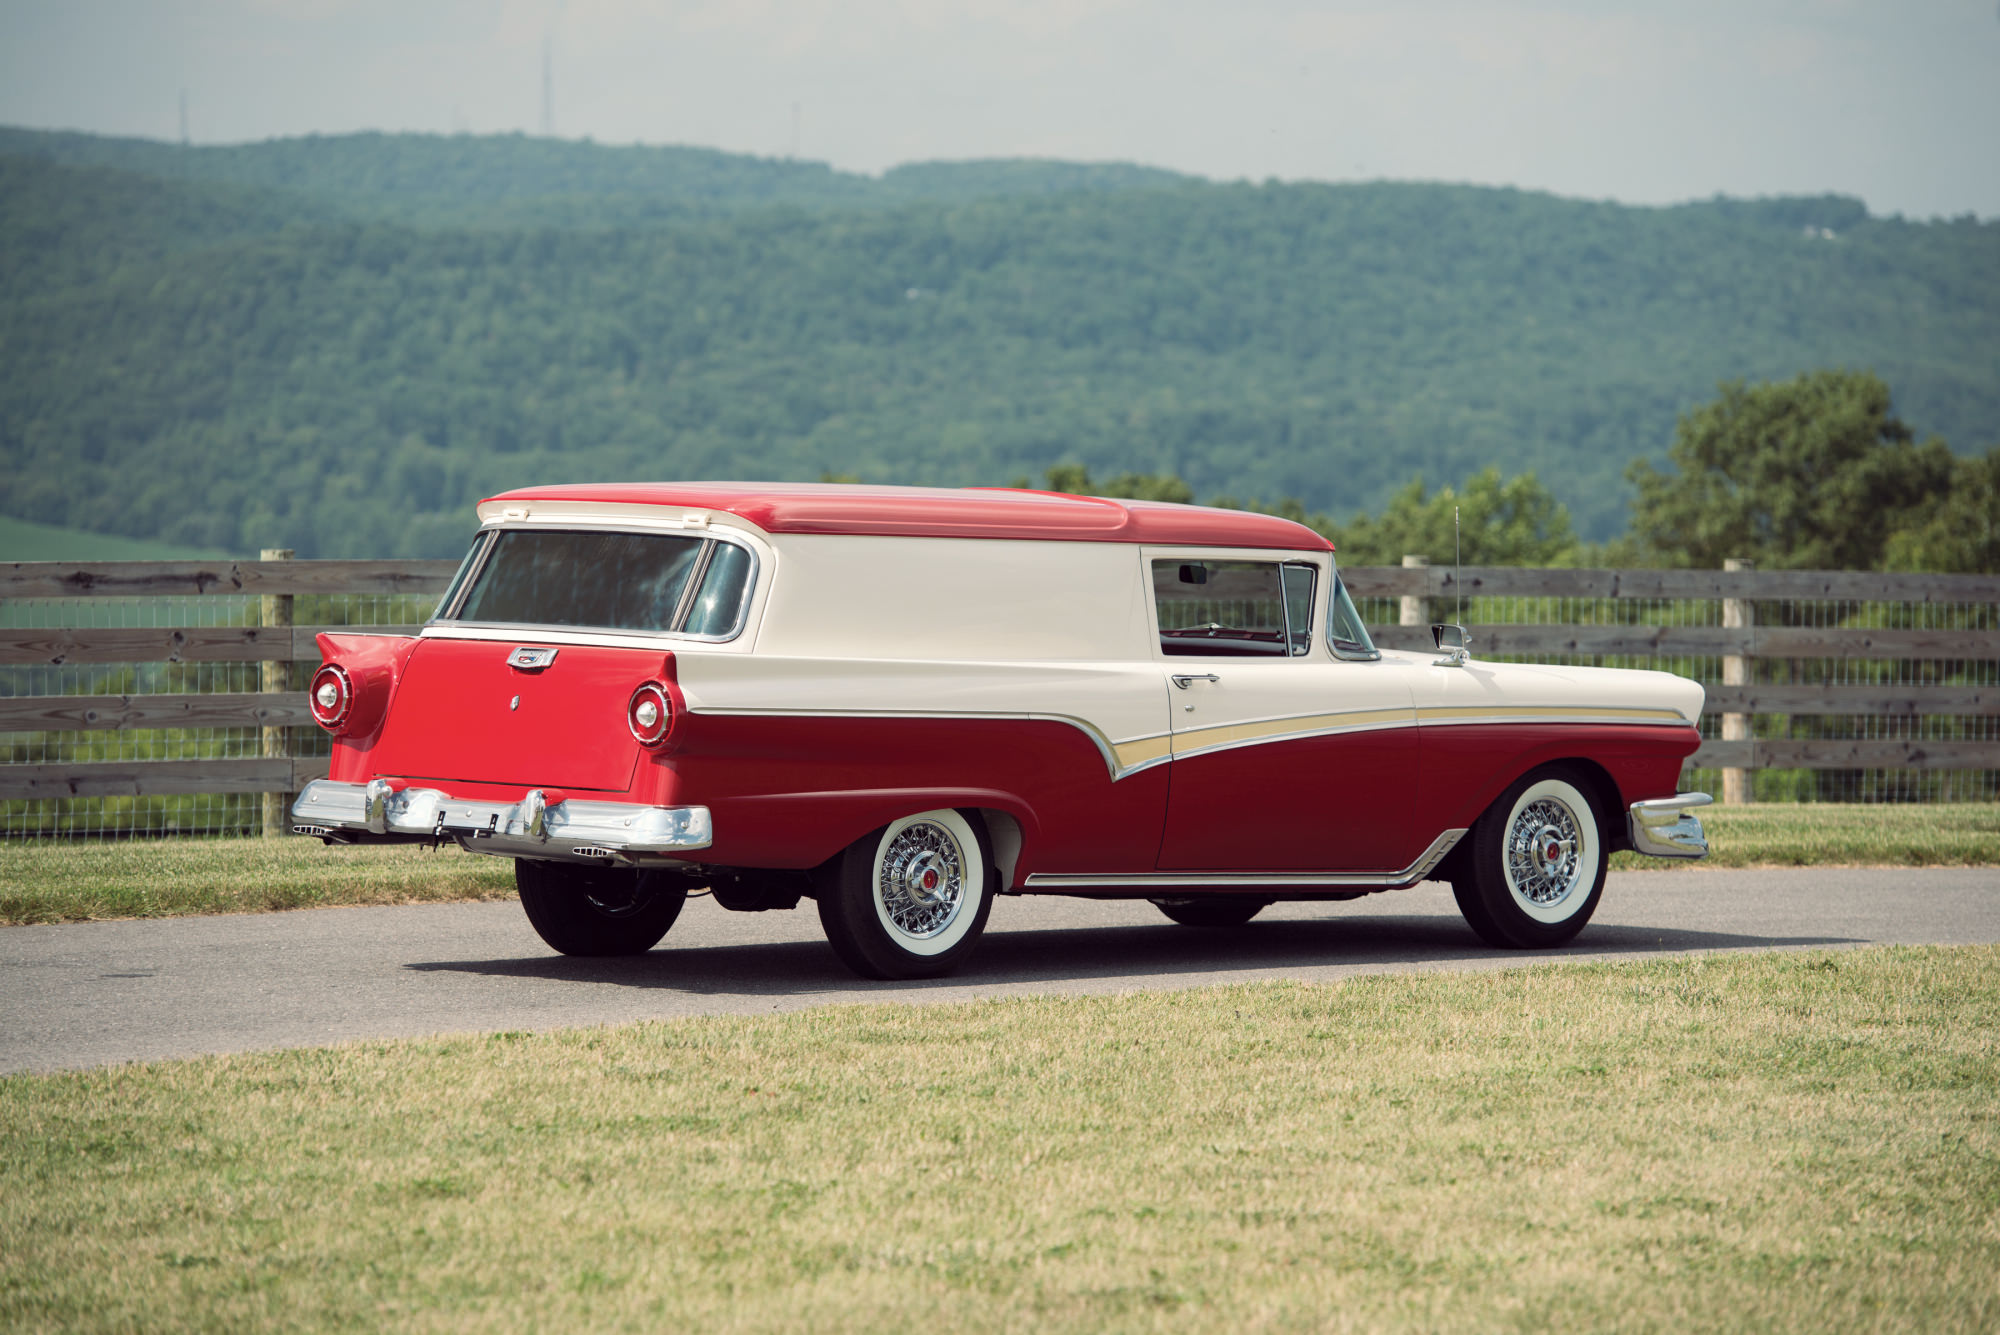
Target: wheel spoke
{"type": "Point", "coordinates": [923, 880]}
{"type": "Point", "coordinates": [1544, 851]}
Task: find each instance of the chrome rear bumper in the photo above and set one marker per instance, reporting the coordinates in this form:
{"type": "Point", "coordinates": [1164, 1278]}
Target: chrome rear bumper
{"type": "Point", "coordinates": [1666, 827]}
{"type": "Point", "coordinates": [567, 830]}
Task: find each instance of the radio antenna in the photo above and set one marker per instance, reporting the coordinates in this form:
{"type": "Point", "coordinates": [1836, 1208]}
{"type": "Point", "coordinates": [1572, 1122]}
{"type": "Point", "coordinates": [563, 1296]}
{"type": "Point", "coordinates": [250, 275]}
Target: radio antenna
{"type": "Point", "coordinates": [1457, 566]}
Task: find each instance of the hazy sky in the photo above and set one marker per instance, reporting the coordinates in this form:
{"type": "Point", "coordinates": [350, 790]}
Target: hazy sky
{"type": "Point", "coordinates": [1638, 100]}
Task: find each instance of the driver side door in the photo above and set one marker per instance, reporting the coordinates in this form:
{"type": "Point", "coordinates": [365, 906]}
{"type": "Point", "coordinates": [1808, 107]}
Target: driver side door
{"type": "Point", "coordinates": [1285, 758]}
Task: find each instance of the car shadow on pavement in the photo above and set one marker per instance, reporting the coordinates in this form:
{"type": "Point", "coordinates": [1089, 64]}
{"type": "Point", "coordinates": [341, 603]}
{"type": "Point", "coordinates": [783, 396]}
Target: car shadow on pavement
{"type": "Point", "coordinates": [1086, 954]}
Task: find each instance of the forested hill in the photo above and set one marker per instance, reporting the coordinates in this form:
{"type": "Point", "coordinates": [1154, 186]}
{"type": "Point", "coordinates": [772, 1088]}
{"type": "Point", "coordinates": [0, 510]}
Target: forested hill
{"type": "Point", "coordinates": [229, 364]}
{"type": "Point", "coordinates": [513, 180]}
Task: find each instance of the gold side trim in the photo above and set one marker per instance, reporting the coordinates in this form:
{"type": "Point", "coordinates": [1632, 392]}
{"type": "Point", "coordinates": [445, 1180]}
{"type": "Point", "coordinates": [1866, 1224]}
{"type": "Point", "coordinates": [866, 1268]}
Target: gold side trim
{"type": "Point", "coordinates": [1120, 758]}
{"type": "Point", "coordinates": [1578, 712]}
{"type": "Point", "coordinates": [1237, 734]}
{"type": "Point", "coordinates": [1131, 755]}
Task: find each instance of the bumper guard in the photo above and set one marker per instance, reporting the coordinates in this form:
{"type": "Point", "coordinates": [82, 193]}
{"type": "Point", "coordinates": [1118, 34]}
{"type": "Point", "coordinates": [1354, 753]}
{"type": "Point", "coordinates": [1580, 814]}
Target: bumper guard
{"type": "Point", "coordinates": [566, 830]}
{"type": "Point", "coordinates": [1667, 827]}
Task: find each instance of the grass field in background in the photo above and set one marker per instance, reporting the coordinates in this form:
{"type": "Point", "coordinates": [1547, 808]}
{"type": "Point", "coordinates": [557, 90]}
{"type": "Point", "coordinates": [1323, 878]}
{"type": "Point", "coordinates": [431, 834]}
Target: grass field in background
{"type": "Point", "coordinates": [54, 881]}
{"type": "Point", "coordinates": [24, 540]}
{"type": "Point", "coordinates": [1799, 1141]}
{"type": "Point", "coordinates": [1832, 834]}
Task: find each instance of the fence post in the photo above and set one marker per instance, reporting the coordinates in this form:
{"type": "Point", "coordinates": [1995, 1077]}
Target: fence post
{"type": "Point", "coordinates": [1413, 611]}
{"type": "Point", "coordinates": [1736, 613]}
{"type": "Point", "coordinates": [276, 611]}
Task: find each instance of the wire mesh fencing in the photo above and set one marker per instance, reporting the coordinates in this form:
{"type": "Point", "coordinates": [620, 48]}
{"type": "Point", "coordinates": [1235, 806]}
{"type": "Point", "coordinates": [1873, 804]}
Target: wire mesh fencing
{"type": "Point", "coordinates": [1812, 679]}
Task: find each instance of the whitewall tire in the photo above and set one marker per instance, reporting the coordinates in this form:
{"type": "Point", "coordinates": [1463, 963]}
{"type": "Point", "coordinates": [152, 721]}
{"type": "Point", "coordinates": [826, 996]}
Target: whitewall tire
{"type": "Point", "coordinates": [910, 900]}
{"type": "Point", "coordinates": [1534, 871]}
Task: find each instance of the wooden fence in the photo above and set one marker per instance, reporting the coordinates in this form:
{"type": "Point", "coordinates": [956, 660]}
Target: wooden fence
{"type": "Point", "coordinates": [274, 640]}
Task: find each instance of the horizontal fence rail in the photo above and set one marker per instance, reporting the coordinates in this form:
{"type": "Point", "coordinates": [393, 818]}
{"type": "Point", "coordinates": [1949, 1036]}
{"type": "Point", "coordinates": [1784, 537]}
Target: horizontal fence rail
{"type": "Point", "coordinates": [157, 778]}
{"type": "Point", "coordinates": [174, 579]}
{"type": "Point", "coordinates": [1797, 585]}
{"type": "Point", "coordinates": [151, 697]}
{"type": "Point", "coordinates": [57, 647]}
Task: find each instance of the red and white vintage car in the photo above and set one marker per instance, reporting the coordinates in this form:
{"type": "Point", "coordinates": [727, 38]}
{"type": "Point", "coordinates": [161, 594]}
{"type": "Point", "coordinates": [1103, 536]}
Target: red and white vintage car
{"type": "Point", "coordinates": [900, 702]}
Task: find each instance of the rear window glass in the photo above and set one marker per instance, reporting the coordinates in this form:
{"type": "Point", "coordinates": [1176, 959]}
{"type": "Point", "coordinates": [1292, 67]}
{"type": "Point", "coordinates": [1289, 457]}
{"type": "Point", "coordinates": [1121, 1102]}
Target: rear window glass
{"type": "Point", "coordinates": [619, 581]}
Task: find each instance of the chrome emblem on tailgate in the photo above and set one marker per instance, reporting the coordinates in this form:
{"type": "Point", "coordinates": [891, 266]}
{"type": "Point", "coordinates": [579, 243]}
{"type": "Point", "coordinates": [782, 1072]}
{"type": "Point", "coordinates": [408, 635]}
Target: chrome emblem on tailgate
{"type": "Point", "coordinates": [531, 659]}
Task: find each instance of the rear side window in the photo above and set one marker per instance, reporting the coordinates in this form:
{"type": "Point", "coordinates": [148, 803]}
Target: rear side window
{"type": "Point", "coordinates": [725, 587]}
{"type": "Point", "coordinates": [1235, 609]}
{"type": "Point", "coordinates": [608, 581]}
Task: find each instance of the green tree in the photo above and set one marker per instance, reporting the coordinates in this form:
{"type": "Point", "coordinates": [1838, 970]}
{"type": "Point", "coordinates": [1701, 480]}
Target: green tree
{"type": "Point", "coordinates": [1514, 522]}
{"type": "Point", "coordinates": [1812, 473]}
{"type": "Point", "coordinates": [1960, 530]}
{"type": "Point", "coordinates": [1075, 480]}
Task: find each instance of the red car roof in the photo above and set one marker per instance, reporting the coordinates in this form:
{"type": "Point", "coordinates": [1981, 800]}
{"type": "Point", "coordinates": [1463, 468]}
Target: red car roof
{"type": "Point", "coordinates": [945, 512]}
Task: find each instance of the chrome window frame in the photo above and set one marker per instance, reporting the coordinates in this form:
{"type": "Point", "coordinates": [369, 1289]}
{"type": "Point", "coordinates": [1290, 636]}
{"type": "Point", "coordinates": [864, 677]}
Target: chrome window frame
{"type": "Point", "coordinates": [1284, 599]}
{"type": "Point", "coordinates": [1333, 592]}
{"type": "Point", "coordinates": [1151, 556]}
{"type": "Point", "coordinates": [468, 574]}
{"type": "Point", "coordinates": [682, 608]}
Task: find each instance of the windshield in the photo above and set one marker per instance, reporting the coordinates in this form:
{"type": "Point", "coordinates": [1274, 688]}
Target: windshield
{"type": "Point", "coordinates": [1345, 634]}
{"type": "Point", "coordinates": [610, 581]}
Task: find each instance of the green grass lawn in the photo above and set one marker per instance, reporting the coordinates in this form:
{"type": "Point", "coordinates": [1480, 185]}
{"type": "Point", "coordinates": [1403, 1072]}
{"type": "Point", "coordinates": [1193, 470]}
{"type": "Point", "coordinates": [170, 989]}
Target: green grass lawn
{"type": "Point", "coordinates": [1836, 834]}
{"type": "Point", "coordinates": [1796, 1141]}
{"type": "Point", "coordinates": [53, 881]}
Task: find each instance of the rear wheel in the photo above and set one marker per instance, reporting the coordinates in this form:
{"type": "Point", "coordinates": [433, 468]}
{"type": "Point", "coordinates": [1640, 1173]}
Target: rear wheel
{"type": "Point", "coordinates": [1535, 869]}
{"type": "Point", "coordinates": [1212, 911]}
{"type": "Point", "coordinates": [585, 910]}
{"type": "Point", "coordinates": [910, 900]}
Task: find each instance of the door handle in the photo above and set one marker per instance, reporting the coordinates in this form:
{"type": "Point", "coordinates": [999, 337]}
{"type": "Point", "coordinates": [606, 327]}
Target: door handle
{"type": "Point", "coordinates": [1184, 679]}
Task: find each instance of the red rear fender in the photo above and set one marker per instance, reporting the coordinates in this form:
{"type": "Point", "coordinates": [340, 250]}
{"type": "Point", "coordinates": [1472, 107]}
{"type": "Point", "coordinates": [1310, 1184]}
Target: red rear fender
{"type": "Point", "coordinates": [373, 664]}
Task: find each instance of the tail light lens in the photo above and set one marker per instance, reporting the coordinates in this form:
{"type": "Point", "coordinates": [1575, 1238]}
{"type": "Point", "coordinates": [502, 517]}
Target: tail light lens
{"type": "Point", "coordinates": [650, 714]}
{"type": "Point", "coordinates": [331, 697]}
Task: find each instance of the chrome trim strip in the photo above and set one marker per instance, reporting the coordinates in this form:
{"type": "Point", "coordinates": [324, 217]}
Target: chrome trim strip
{"type": "Point", "coordinates": [1195, 880]}
{"type": "Point", "coordinates": [532, 827]}
{"type": "Point", "coordinates": [1666, 827]}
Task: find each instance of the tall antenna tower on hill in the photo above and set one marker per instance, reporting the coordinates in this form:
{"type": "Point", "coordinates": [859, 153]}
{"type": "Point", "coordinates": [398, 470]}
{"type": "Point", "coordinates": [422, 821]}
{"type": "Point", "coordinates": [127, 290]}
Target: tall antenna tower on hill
{"type": "Point", "coordinates": [548, 88]}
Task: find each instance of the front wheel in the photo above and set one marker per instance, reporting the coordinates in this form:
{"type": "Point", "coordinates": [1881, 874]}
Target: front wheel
{"type": "Point", "coordinates": [910, 900]}
{"type": "Point", "coordinates": [585, 910]}
{"type": "Point", "coordinates": [1535, 869]}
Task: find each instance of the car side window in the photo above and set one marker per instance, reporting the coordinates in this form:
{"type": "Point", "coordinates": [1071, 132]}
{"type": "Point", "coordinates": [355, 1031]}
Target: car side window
{"type": "Point", "coordinates": [718, 605]}
{"type": "Point", "coordinates": [1233, 609]}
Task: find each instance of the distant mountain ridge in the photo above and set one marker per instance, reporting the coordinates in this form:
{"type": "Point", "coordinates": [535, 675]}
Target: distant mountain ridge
{"type": "Point", "coordinates": [326, 351]}
{"type": "Point", "coordinates": [515, 179]}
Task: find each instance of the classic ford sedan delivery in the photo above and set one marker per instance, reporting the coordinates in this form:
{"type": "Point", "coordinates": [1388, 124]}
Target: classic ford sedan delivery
{"type": "Point", "coordinates": [900, 702]}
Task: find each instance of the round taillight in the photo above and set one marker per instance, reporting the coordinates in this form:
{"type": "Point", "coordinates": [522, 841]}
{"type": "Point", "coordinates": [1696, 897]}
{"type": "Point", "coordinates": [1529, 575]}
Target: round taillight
{"type": "Point", "coordinates": [649, 714]}
{"type": "Point", "coordinates": [331, 697]}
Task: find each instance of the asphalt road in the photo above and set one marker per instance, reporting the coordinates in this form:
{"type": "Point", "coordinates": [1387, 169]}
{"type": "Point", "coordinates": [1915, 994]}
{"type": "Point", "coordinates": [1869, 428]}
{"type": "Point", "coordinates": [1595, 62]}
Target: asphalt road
{"type": "Point", "coordinates": [90, 994]}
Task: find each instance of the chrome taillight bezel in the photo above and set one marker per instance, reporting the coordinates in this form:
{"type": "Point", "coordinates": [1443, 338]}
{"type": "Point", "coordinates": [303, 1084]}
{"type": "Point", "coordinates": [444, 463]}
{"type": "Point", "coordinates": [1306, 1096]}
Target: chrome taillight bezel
{"type": "Point", "coordinates": [657, 694]}
{"type": "Point", "coordinates": [331, 720]}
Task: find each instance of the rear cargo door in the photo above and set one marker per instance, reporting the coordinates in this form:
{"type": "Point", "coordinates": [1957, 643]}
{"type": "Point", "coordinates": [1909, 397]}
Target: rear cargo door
{"type": "Point", "coordinates": [463, 713]}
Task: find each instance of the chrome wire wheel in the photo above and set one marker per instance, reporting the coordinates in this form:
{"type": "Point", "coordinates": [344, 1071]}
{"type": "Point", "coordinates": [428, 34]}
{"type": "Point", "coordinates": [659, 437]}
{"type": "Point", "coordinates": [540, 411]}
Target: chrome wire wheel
{"type": "Point", "coordinates": [1551, 856]}
{"type": "Point", "coordinates": [910, 899]}
{"type": "Point", "coordinates": [1543, 852]}
{"type": "Point", "coordinates": [920, 880]}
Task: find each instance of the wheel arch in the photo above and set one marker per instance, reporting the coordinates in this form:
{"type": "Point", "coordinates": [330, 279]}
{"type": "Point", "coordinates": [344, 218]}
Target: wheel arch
{"type": "Point", "coordinates": [1004, 833]}
{"type": "Point", "coordinates": [1599, 786]}
{"type": "Point", "coordinates": [820, 826]}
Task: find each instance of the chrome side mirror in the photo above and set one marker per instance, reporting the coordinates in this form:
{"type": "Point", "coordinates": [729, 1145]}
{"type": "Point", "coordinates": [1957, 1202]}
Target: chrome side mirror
{"type": "Point", "coordinates": [1454, 643]}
